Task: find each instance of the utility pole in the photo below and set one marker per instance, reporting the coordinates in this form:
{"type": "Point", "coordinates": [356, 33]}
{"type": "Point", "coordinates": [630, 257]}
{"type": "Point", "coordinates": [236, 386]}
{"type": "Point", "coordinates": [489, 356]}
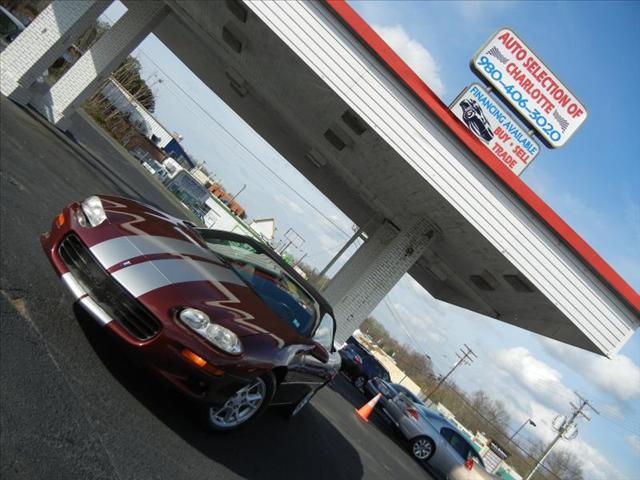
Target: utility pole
{"type": "Point", "coordinates": [465, 358]}
{"type": "Point", "coordinates": [234, 197]}
{"type": "Point", "coordinates": [567, 429]}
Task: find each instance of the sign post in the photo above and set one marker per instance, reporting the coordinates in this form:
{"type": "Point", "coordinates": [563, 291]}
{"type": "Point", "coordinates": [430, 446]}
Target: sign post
{"type": "Point", "coordinates": [529, 87]}
{"type": "Point", "coordinates": [506, 139]}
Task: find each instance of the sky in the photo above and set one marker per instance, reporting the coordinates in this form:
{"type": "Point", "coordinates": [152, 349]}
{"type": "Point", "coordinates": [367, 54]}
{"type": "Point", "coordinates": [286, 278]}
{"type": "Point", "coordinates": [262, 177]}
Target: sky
{"type": "Point", "coordinates": [593, 182]}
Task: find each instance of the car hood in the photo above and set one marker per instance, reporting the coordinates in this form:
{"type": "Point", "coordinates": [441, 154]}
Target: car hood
{"type": "Point", "coordinates": [160, 261]}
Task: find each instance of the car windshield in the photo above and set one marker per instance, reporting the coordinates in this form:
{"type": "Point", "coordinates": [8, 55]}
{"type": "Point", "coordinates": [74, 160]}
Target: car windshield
{"type": "Point", "coordinates": [267, 279]}
{"type": "Point", "coordinates": [378, 370]}
{"type": "Point", "coordinates": [407, 392]}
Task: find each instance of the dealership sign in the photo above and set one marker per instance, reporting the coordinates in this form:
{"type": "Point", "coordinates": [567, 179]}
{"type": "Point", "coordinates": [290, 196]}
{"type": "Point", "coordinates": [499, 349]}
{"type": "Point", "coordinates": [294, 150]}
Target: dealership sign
{"type": "Point", "coordinates": [494, 456]}
{"type": "Point", "coordinates": [503, 136]}
{"type": "Point", "coordinates": [529, 87]}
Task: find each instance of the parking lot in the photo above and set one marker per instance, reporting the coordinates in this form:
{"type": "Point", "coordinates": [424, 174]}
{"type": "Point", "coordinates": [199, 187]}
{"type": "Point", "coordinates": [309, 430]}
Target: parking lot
{"type": "Point", "coordinates": [73, 408]}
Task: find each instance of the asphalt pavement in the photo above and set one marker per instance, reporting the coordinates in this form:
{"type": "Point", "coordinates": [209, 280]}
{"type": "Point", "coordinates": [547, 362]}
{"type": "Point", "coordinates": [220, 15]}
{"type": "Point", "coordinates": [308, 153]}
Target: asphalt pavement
{"type": "Point", "coordinates": [72, 408]}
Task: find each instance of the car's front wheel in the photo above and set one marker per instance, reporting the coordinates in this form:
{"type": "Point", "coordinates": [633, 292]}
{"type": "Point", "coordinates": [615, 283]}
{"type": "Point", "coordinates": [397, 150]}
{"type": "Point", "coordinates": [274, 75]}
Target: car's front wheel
{"type": "Point", "coordinates": [422, 448]}
{"type": "Point", "coordinates": [243, 406]}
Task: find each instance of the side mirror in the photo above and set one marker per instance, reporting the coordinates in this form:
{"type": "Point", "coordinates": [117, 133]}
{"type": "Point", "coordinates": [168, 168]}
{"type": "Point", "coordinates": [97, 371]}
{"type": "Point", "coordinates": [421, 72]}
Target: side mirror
{"type": "Point", "coordinates": [319, 353]}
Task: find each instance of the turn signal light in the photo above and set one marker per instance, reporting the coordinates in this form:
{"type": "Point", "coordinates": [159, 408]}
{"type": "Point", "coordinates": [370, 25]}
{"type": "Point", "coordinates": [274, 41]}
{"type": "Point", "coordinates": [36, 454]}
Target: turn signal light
{"type": "Point", "coordinates": [469, 464]}
{"type": "Point", "coordinates": [60, 219]}
{"type": "Point", "coordinates": [201, 362]}
{"type": "Point", "coordinates": [193, 358]}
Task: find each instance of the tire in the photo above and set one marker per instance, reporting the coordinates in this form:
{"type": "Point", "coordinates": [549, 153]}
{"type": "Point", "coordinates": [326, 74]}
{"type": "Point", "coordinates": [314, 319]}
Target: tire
{"type": "Point", "coordinates": [359, 382]}
{"type": "Point", "coordinates": [294, 410]}
{"type": "Point", "coordinates": [220, 419]}
{"type": "Point", "coordinates": [422, 448]}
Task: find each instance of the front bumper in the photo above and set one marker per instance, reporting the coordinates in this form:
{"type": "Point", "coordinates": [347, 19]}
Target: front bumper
{"type": "Point", "coordinates": [161, 354]}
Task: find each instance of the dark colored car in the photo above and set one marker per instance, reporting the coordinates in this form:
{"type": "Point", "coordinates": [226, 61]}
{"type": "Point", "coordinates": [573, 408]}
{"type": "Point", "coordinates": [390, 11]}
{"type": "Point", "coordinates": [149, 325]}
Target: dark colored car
{"type": "Point", "coordinates": [360, 365]}
{"type": "Point", "coordinates": [217, 315]}
{"type": "Point", "coordinates": [474, 119]}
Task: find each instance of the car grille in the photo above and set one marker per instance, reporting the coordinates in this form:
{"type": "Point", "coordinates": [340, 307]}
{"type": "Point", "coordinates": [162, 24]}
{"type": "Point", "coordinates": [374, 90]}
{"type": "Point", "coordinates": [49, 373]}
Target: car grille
{"type": "Point", "coordinates": [106, 291]}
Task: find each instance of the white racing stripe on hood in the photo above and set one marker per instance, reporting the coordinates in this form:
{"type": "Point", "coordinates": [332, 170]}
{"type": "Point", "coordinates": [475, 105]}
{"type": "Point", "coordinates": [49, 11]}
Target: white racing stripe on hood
{"type": "Point", "coordinates": [145, 277]}
{"type": "Point", "coordinates": [114, 251]}
{"type": "Point", "coordinates": [117, 250]}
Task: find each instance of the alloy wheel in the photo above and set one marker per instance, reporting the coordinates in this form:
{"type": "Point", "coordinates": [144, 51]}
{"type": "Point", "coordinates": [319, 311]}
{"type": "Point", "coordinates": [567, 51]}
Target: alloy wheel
{"type": "Point", "coordinates": [241, 406]}
{"type": "Point", "coordinates": [422, 448]}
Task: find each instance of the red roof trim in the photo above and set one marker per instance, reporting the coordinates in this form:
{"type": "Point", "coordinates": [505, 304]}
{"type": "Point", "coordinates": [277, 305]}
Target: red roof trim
{"type": "Point", "coordinates": [431, 101]}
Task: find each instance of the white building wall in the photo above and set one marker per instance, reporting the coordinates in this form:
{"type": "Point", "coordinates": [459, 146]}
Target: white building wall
{"type": "Point", "coordinates": [225, 220]}
{"type": "Point", "coordinates": [100, 60]}
{"type": "Point", "coordinates": [44, 40]}
{"type": "Point", "coordinates": [377, 266]}
{"type": "Point", "coordinates": [125, 102]}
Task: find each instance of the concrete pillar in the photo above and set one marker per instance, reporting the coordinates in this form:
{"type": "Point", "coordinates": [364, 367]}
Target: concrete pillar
{"type": "Point", "coordinates": [97, 63]}
{"type": "Point", "coordinates": [42, 42]}
{"type": "Point", "coordinates": [373, 271]}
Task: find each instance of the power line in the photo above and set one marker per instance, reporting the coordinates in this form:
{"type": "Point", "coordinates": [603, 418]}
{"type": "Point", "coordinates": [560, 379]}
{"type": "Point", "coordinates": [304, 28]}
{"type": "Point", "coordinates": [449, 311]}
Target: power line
{"type": "Point", "coordinates": [256, 157]}
{"type": "Point", "coordinates": [399, 322]}
{"type": "Point", "coordinates": [467, 358]}
{"type": "Point", "coordinates": [566, 429]}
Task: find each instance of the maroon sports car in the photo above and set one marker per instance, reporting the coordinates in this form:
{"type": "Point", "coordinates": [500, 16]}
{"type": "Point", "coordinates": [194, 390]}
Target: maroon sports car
{"type": "Point", "coordinates": [218, 315]}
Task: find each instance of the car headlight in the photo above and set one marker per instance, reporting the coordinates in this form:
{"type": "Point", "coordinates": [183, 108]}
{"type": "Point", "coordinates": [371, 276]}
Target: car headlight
{"type": "Point", "coordinates": [221, 337]}
{"type": "Point", "coordinates": [94, 211]}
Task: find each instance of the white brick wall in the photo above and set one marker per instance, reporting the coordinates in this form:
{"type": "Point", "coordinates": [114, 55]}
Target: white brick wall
{"type": "Point", "coordinates": [42, 42]}
{"type": "Point", "coordinates": [364, 282]}
{"type": "Point", "coordinates": [359, 261]}
{"type": "Point", "coordinates": [101, 59]}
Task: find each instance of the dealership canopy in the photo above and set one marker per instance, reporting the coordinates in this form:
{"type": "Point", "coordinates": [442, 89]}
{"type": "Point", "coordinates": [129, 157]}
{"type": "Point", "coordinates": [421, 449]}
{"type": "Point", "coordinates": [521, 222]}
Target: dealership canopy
{"type": "Point", "coordinates": [319, 84]}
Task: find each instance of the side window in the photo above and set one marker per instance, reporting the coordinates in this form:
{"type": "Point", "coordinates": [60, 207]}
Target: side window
{"type": "Point", "coordinates": [446, 433]}
{"type": "Point", "coordinates": [460, 445]}
{"type": "Point", "coordinates": [324, 333]}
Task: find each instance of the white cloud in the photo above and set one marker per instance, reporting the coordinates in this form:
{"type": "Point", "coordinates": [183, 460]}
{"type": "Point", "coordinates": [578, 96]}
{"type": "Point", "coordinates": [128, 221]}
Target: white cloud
{"type": "Point", "coordinates": [329, 243]}
{"type": "Point", "coordinates": [594, 464]}
{"type": "Point", "coordinates": [532, 388]}
{"type": "Point", "coordinates": [414, 54]}
{"type": "Point", "coordinates": [290, 204]}
{"type": "Point", "coordinates": [538, 378]}
{"type": "Point", "coordinates": [634, 442]}
{"type": "Point", "coordinates": [618, 376]}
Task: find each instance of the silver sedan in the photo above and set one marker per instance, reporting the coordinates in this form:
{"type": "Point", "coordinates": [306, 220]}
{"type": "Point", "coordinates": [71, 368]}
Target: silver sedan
{"type": "Point", "coordinates": [435, 440]}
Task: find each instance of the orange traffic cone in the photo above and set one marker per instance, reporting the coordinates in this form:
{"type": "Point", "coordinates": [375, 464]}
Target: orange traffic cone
{"type": "Point", "coordinates": [364, 411]}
